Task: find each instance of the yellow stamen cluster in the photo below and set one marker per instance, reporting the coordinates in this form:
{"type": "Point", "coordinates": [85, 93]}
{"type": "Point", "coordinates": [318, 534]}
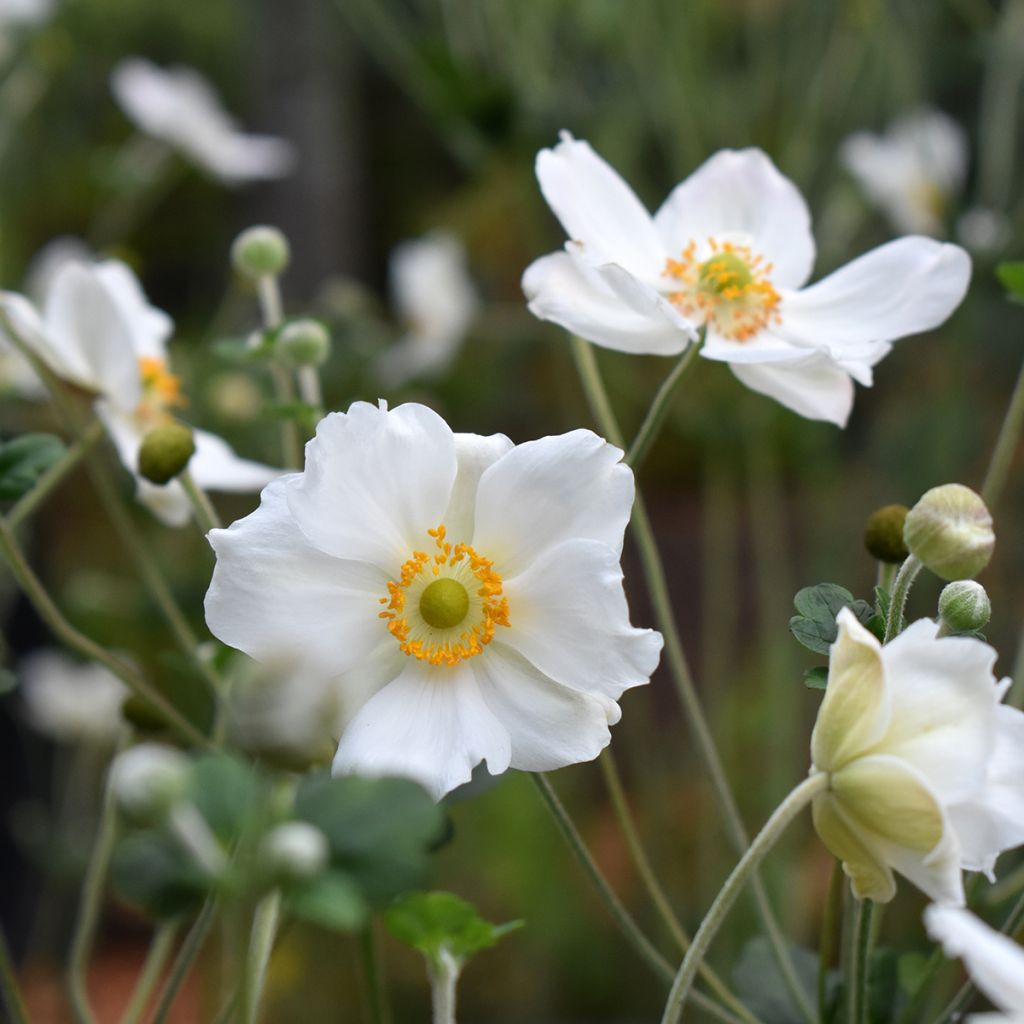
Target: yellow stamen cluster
{"type": "Point", "coordinates": [487, 608]}
{"type": "Point", "coordinates": [161, 390]}
{"type": "Point", "coordinates": [731, 289]}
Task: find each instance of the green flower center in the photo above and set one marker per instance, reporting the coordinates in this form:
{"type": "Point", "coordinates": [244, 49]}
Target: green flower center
{"type": "Point", "coordinates": [444, 603]}
{"type": "Point", "coordinates": [724, 271]}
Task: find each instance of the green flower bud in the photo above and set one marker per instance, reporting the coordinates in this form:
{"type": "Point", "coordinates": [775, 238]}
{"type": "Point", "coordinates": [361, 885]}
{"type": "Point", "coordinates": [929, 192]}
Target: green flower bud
{"type": "Point", "coordinates": [294, 851]}
{"type": "Point", "coordinates": [165, 452]}
{"type": "Point", "coordinates": [963, 607]}
{"type": "Point", "coordinates": [950, 531]}
{"type": "Point", "coordinates": [304, 343]}
{"type": "Point", "coordinates": [260, 252]}
{"type": "Point", "coordinates": [883, 534]}
{"type": "Point", "coordinates": [149, 780]}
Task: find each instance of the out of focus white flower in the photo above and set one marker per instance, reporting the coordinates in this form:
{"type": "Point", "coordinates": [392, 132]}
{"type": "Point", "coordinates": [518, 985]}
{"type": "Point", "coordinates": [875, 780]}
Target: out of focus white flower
{"type": "Point", "coordinates": [914, 171]}
{"type": "Point", "coordinates": [993, 960]}
{"type": "Point", "coordinates": [436, 301]}
{"type": "Point", "coordinates": [25, 12]}
{"type": "Point", "coordinates": [149, 780]}
{"type": "Point", "coordinates": [98, 330]}
{"type": "Point", "coordinates": [71, 701]}
{"type": "Point", "coordinates": [983, 230]}
{"type": "Point", "coordinates": [179, 107]}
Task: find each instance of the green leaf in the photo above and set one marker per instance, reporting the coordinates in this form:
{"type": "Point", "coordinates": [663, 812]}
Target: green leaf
{"type": "Point", "coordinates": [1011, 277]}
{"type": "Point", "coordinates": [332, 901]}
{"type": "Point", "coordinates": [760, 986]}
{"type": "Point", "coordinates": [226, 792]}
{"type": "Point", "coordinates": [24, 460]}
{"type": "Point", "coordinates": [241, 352]}
{"type": "Point", "coordinates": [815, 626]}
{"type": "Point", "coordinates": [816, 678]}
{"type": "Point", "coordinates": [432, 921]}
{"type": "Point", "coordinates": [149, 870]}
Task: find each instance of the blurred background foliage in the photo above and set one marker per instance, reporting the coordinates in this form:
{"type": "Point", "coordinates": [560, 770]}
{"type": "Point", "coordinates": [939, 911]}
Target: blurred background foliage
{"type": "Point", "coordinates": [410, 115]}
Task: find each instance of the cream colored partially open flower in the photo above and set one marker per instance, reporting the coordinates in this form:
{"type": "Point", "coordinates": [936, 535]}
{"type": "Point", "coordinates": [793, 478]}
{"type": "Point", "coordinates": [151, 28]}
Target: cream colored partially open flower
{"type": "Point", "coordinates": [464, 591]}
{"type": "Point", "coordinates": [925, 764]}
{"type": "Point", "coordinates": [731, 250]}
{"type": "Point", "coordinates": [994, 961]}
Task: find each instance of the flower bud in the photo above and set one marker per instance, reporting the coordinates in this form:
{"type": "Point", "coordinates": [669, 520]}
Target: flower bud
{"type": "Point", "coordinates": [295, 851]}
{"type": "Point", "coordinates": [260, 252]}
{"type": "Point", "coordinates": [304, 343]}
{"type": "Point", "coordinates": [963, 607]}
{"type": "Point", "coordinates": [165, 452]}
{"type": "Point", "coordinates": [883, 534]}
{"type": "Point", "coordinates": [149, 780]}
{"type": "Point", "coordinates": [950, 531]}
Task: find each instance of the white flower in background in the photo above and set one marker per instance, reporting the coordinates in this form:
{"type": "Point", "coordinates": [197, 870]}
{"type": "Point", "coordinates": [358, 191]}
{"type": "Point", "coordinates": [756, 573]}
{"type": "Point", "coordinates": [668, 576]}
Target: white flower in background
{"type": "Point", "coordinates": [71, 701]}
{"type": "Point", "coordinates": [436, 301]}
{"type": "Point", "coordinates": [731, 249]}
{"type": "Point", "coordinates": [179, 107]}
{"type": "Point", "coordinates": [926, 766]}
{"type": "Point", "coordinates": [983, 230]}
{"type": "Point", "coordinates": [913, 172]}
{"type": "Point", "coordinates": [464, 591]}
{"type": "Point", "coordinates": [25, 12]}
{"type": "Point", "coordinates": [98, 331]}
{"type": "Point", "coordinates": [993, 960]}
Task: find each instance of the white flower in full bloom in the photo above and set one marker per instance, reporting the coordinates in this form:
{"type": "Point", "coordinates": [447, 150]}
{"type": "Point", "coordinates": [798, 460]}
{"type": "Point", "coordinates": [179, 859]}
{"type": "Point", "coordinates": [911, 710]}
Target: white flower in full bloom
{"type": "Point", "coordinates": [926, 765]}
{"type": "Point", "coordinates": [71, 701]}
{"type": "Point", "coordinates": [97, 330]}
{"type": "Point", "coordinates": [464, 591]}
{"type": "Point", "coordinates": [731, 249]}
{"type": "Point", "coordinates": [178, 106]}
{"type": "Point", "coordinates": [435, 299]}
{"type": "Point", "coordinates": [994, 961]}
{"type": "Point", "coordinates": [912, 172]}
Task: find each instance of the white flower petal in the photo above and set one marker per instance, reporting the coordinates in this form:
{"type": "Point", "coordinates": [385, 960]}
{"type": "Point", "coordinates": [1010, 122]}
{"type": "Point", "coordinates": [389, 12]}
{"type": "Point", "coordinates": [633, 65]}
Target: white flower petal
{"type": "Point", "coordinates": [994, 961]}
{"type": "Point", "coordinates": [375, 482]}
{"type": "Point", "coordinates": [548, 491]}
{"type": "Point", "coordinates": [561, 289]}
{"type": "Point", "coordinates": [550, 726]}
{"type": "Point", "coordinates": [216, 467]}
{"type": "Point", "coordinates": [150, 327]}
{"type": "Point", "coordinates": [474, 453]}
{"type": "Point", "coordinates": [597, 208]}
{"type": "Point", "coordinates": [903, 287]}
{"type": "Point", "coordinates": [742, 192]}
{"type": "Point", "coordinates": [429, 724]}
{"type": "Point", "coordinates": [569, 618]}
{"type": "Point", "coordinates": [274, 594]}
{"type": "Point", "coordinates": [815, 386]}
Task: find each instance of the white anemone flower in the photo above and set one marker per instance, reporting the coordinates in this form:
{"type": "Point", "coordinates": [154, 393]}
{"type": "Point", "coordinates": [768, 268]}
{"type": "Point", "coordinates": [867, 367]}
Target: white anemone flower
{"type": "Point", "coordinates": [71, 701]}
{"type": "Point", "coordinates": [179, 107]}
{"type": "Point", "coordinates": [914, 171]}
{"type": "Point", "coordinates": [993, 960]}
{"type": "Point", "coordinates": [925, 763]}
{"type": "Point", "coordinates": [464, 591]}
{"type": "Point", "coordinates": [731, 250]}
{"type": "Point", "coordinates": [436, 300]}
{"type": "Point", "coordinates": [97, 330]}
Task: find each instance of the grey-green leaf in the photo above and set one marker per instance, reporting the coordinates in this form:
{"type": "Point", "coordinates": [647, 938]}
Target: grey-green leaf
{"type": "Point", "coordinates": [815, 626]}
{"type": "Point", "coordinates": [24, 460]}
{"type": "Point", "coordinates": [332, 901]}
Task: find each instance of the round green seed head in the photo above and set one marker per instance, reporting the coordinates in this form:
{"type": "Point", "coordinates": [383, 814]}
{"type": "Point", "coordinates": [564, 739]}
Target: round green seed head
{"type": "Point", "coordinates": [165, 452]}
{"type": "Point", "coordinates": [304, 343]}
{"type": "Point", "coordinates": [950, 531]}
{"type": "Point", "coordinates": [883, 533]}
{"type": "Point", "coordinates": [444, 604]}
{"type": "Point", "coordinates": [261, 252]}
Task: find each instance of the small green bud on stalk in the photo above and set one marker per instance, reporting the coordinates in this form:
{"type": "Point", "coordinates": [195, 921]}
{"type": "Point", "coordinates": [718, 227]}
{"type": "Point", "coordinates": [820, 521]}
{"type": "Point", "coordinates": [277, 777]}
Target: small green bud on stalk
{"type": "Point", "coordinates": [149, 781]}
{"type": "Point", "coordinates": [261, 252]}
{"type": "Point", "coordinates": [950, 531]}
{"type": "Point", "coordinates": [295, 851]}
{"type": "Point", "coordinates": [304, 343]}
{"type": "Point", "coordinates": [883, 534]}
{"type": "Point", "coordinates": [963, 607]}
{"type": "Point", "coordinates": [165, 452]}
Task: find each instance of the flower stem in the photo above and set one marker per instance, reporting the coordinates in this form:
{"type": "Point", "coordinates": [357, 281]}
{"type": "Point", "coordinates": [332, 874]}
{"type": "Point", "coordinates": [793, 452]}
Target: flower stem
{"type": "Point", "coordinates": [660, 406]}
{"type": "Point", "coordinates": [627, 925]}
{"type": "Point", "coordinates": [654, 573]}
{"type": "Point", "coordinates": [375, 995]}
{"type": "Point", "coordinates": [89, 905]}
{"type": "Point", "coordinates": [159, 950]}
{"type": "Point", "coordinates": [190, 949]}
{"type": "Point", "coordinates": [206, 514]}
{"type": "Point", "coordinates": [444, 977]}
{"type": "Point", "coordinates": [309, 389]}
{"type": "Point", "coordinates": [261, 943]}
{"type": "Point", "coordinates": [1006, 445]}
{"type": "Point", "coordinates": [48, 482]}
{"type": "Point", "coordinates": [827, 947]}
{"type": "Point", "coordinates": [9, 988]}
{"type": "Point", "coordinates": [781, 817]}
{"type": "Point", "coordinates": [284, 387]}
{"type": "Point", "coordinates": [64, 631]}
{"type": "Point", "coordinates": [898, 596]}
{"type": "Point", "coordinates": [857, 982]}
